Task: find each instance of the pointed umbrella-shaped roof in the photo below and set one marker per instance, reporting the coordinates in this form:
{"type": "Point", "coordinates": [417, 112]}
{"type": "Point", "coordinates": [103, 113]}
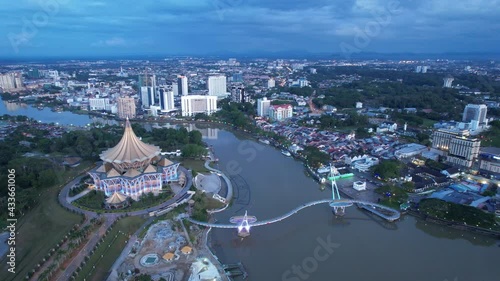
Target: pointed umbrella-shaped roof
{"type": "Point", "coordinates": [116, 198]}
{"type": "Point", "coordinates": [130, 149]}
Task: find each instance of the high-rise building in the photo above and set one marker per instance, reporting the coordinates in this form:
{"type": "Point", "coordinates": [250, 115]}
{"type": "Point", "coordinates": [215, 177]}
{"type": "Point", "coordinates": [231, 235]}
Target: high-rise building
{"type": "Point", "coordinates": [238, 94]}
{"type": "Point", "coordinates": [216, 85]}
{"type": "Point", "coordinates": [194, 104]}
{"type": "Point", "coordinates": [175, 89]}
{"type": "Point", "coordinates": [238, 77]}
{"type": "Point", "coordinates": [460, 148]}
{"type": "Point", "coordinates": [271, 83]}
{"type": "Point", "coordinates": [126, 107]}
{"type": "Point", "coordinates": [425, 68]}
{"type": "Point", "coordinates": [147, 96]}
{"type": "Point", "coordinates": [418, 69]}
{"type": "Point", "coordinates": [182, 85]}
{"type": "Point", "coordinates": [11, 81]}
{"type": "Point", "coordinates": [463, 151]}
{"type": "Point", "coordinates": [448, 81]}
{"type": "Point", "coordinates": [280, 112]}
{"type": "Point", "coordinates": [475, 112]}
{"type": "Point", "coordinates": [167, 100]}
{"type": "Point", "coordinates": [441, 139]}
{"type": "Point", "coordinates": [263, 105]}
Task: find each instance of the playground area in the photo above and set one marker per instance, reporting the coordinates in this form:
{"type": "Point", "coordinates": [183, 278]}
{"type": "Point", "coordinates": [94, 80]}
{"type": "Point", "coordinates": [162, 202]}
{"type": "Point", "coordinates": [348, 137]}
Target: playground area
{"type": "Point", "coordinates": [164, 252]}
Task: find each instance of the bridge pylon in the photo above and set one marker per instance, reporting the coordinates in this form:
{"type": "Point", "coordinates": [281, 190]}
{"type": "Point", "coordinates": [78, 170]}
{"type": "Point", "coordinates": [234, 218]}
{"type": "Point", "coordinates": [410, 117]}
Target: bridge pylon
{"type": "Point", "coordinates": [338, 204]}
{"type": "Point", "coordinates": [243, 223]}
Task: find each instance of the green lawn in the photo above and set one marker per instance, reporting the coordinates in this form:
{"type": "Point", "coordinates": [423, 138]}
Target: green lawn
{"type": "Point", "coordinates": [195, 165]}
{"type": "Point", "coordinates": [41, 229]}
{"type": "Point", "coordinates": [116, 240]}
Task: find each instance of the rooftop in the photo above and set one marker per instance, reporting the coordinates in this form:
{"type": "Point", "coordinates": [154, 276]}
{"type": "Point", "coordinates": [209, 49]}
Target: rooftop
{"type": "Point", "coordinates": [130, 149]}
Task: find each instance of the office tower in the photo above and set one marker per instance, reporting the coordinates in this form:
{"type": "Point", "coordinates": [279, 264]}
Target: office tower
{"type": "Point", "coordinates": [441, 138]}
{"type": "Point", "coordinates": [475, 112]}
{"type": "Point", "coordinates": [194, 104]}
{"type": "Point", "coordinates": [33, 73]}
{"type": "Point", "coordinates": [147, 96]}
{"type": "Point", "coordinates": [271, 83]}
{"type": "Point", "coordinates": [448, 81]}
{"type": "Point", "coordinates": [175, 89]}
{"type": "Point", "coordinates": [280, 112]}
{"type": "Point", "coordinates": [217, 85]}
{"type": "Point", "coordinates": [238, 77]}
{"type": "Point", "coordinates": [463, 151]}
{"type": "Point", "coordinates": [182, 85]}
{"type": "Point", "coordinates": [126, 108]}
{"type": "Point", "coordinates": [166, 100]}
{"type": "Point", "coordinates": [238, 94]}
{"type": "Point", "coordinates": [263, 105]}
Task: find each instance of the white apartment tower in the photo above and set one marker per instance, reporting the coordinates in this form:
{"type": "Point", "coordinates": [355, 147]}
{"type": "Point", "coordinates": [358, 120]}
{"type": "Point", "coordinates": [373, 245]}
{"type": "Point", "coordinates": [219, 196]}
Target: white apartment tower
{"type": "Point", "coordinates": [216, 85]}
{"type": "Point", "coordinates": [263, 105]}
{"type": "Point", "coordinates": [182, 85]}
{"type": "Point", "coordinates": [271, 83]}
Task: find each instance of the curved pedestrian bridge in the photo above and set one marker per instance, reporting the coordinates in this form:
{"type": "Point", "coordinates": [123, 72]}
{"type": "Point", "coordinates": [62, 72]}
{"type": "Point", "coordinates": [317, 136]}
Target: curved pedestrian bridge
{"type": "Point", "coordinates": [384, 212]}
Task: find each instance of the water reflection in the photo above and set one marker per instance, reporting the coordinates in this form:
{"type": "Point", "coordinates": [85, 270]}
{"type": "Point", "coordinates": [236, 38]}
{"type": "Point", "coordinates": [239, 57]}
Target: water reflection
{"type": "Point", "coordinates": [442, 231]}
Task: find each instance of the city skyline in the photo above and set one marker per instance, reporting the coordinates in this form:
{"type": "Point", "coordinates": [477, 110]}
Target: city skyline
{"type": "Point", "coordinates": [56, 28]}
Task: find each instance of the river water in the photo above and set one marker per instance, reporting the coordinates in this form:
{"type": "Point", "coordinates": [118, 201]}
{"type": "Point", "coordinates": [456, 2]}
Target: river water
{"type": "Point", "coordinates": [47, 116]}
{"type": "Point", "coordinates": [268, 184]}
{"type": "Point", "coordinates": [313, 244]}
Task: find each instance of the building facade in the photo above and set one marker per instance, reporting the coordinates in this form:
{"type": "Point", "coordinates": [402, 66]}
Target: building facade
{"type": "Point", "coordinates": [475, 112]}
{"type": "Point", "coordinates": [99, 104]}
{"type": "Point", "coordinates": [167, 100]}
{"type": "Point", "coordinates": [280, 112]}
{"type": "Point", "coordinates": [271, 83]}
{"type": "Point", "coordinates": [463, 151]}
{"type": "Point", "coordinates": [133, 168]}
{"type": "Point", "coordinates": [126, 108]}
{"type": "Point", "coordinates": [263, 105]}
{"type": "Point", "coordinates": [182, 85]}
{"type": "Point", "coordinates": [216, 85]}
{"type": "Point", "coordinates": [194, 104]}
{"type": "Point", "coordinates": [11, 81]}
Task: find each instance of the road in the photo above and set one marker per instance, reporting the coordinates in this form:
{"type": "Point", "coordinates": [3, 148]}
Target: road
{"type": "Point", "coordinates": [63, 198]}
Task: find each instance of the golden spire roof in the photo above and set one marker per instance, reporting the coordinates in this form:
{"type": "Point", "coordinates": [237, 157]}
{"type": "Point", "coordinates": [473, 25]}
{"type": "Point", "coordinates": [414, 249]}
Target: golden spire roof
{"type": "Point", "coordinates": [116, 198]}
{"type": "Point", "coordinates": [130, 149]}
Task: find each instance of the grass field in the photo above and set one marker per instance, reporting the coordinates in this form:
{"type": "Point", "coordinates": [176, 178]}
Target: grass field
{"type": "Point", "coordinates": [41, 229]}
{"type": "Point", "coordinates": [116, 240]}
{"type": "Point", "coordinates": [195, 165]}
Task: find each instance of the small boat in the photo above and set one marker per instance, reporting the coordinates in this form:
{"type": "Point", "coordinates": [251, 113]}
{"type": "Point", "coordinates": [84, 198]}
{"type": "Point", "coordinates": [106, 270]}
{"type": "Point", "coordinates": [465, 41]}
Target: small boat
{"type": "Point", "coordinates": [264, 141]}
{"type": "Point", "coordinates": [286, 153]}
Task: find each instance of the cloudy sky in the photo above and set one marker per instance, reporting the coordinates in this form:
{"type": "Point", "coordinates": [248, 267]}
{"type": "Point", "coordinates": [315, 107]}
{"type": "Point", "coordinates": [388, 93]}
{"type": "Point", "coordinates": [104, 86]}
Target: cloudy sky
{"type": "Point", "coordinates": [197, 27]}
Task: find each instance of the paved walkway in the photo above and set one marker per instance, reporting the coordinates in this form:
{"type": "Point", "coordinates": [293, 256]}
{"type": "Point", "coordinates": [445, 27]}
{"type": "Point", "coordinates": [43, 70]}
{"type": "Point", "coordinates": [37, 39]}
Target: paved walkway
{"type": "Point", "coordinates": [229, 195]}
{"type": "Point", "coordinates": [77, 260]}
{"type": "Point", "coordinates": [79, 195]}
{"type": "Point", "coordinates": [64, 200]}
